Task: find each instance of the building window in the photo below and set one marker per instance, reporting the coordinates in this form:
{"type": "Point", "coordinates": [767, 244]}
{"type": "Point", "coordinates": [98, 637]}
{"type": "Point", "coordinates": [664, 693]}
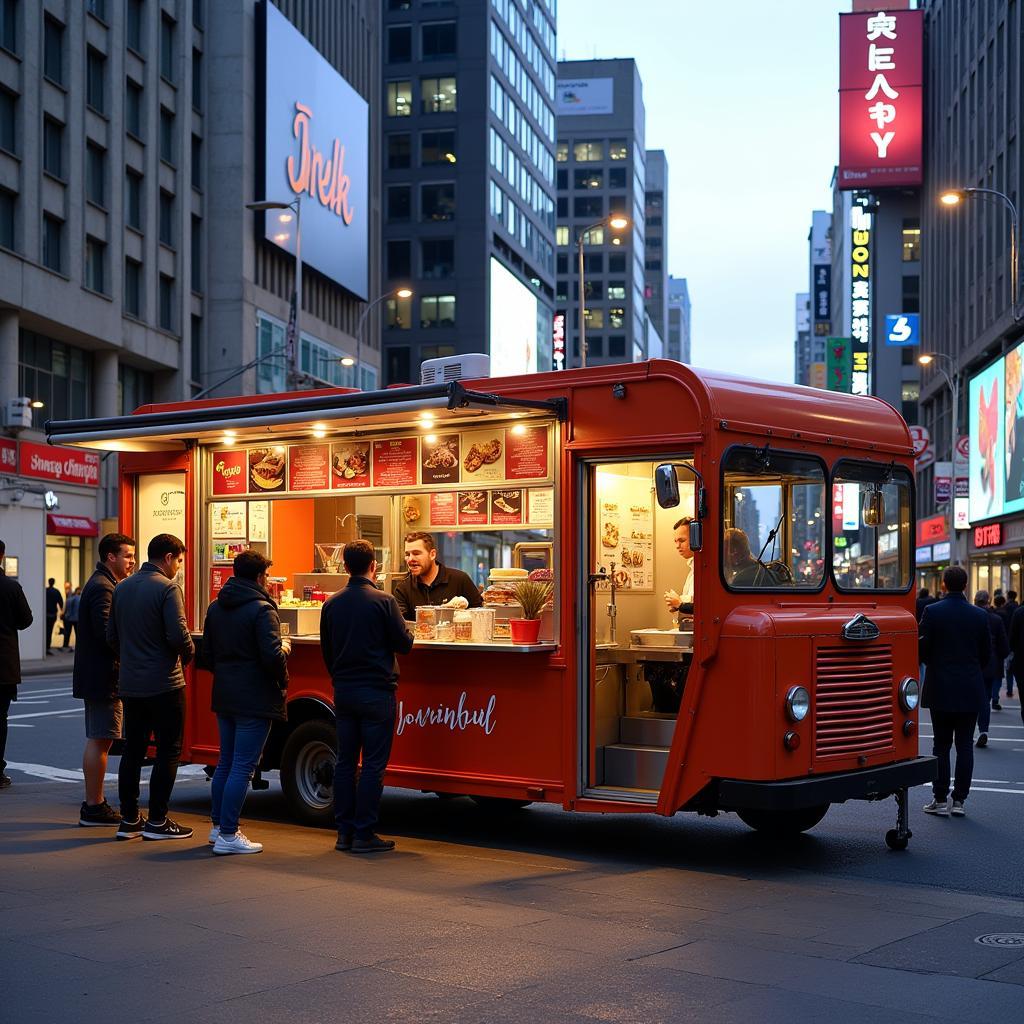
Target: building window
{"type": "Point", "coordinates": [561, 264]}
{"type": "Point", "coordinates": [399, 260]}
{"type": "Point", "coordinates": [617, 263]}
{"type": "Point", "coordinates": [8, 24]}
{"type": "Point", "coordinates": [588, 206]}
{"type": "Point", "coordinates": [98, 8]}
{"type": "Point", "coordinates": [399, 151]}
{"type": "Point", "coordinates": [617, 346]}
{"type": "Point", "coordinates": [95, 94]}
{"type": "Point", "coordinates": [53, 147]}
{"type": "Point", "coordinates": [399, 99]}
{"type": "Point", "coordinates": [399, 44]}
{"type": "Point", "coordinates": [437, 202]}
{"type": "Point", "coordinates": [438, 40]}
{"type": "Point", "coordinates": [911, 297]}
{"type": "Point", "coordinates": [95, 255]}
{"type": "Point", "coordinates": [562, 180]}
{"type": "Point", "coordinates": [197, 14]}
{"type": "Point", "coordinates": [398, 364]}
{"type": "Point", "coordinates": [562, 207]}
{"type": "Point", "coordinates": [167, 47]}
{"type": "Point", "coordinates": [133, 25]}
{"type": "Point", "coordinates": [911, 240]}
{"type": "Point", "coordinates": [135, 389]}
{"type": "Point", "coordinates": [617, 149]}
{"type": "Point", "coordinates": [399, 314]}
{"type": "Point", "coordinates": [197, 80]}
{"type": "Point", "coordinates": [133, 199]}
{"type": "Point", "coordinates": [617, 317]}
{"type": "Point", "coordinates": [587, 152]}
{"type": "Point", "coordinates": [437, 311]}
{"type": "Point", "coordinates": [595, 236]}
{"type": "Point", "coordinates": [95, 183]}
{"type": "Point", "coordinates": [57, 375]}
{"type": "Point", "coordinates": [652, 264]}
{"type": "Point", "coordinates": [195, 349]}
{"type": "Point", "coordinates": [617, 290]}
{"type": "Point", "coordinates": [562, 152]}
{"type": "Point", "coordinates": [438, 95]}
{"type": "Point", "coordinates": [7, 200]}
{"type": "Point", "coordinates": [399, 203]}
{"type": "Point", "coordinates": [53, 231]}
{"type": "Point", "coordinates": [53, 50]}
{"type": "Point", "coordinates": [616, 177]}
{"type": "Point", "coordinates": [588, 179]}
{"type": "Point", "coordinates": [196, 239]}
{"type": "Point", "coordinates": [438, 258]}
{"type": "Point", "coordinates": [437, 147]}
{"type": "Point", "coordinates": [166, 302]}
{"type": "Point", "coordinates": [595, 320]}
{"type": "Point", "coordinates": [133, 109]}
{"type": "Point", "coordinates": [562, 235]}
{"type": "Point", "coordinates": [8, 108]}
{"type": "Point", "coordinates": [166, 234]}
{"type": "Point", "coordinates": [166, 136]}
{"type": "Point", "coordinates": [133, 287]}
{"type": "Point", "coordinates": [593, 263]}
{"type": "Point", "coordinates": [197, 163]}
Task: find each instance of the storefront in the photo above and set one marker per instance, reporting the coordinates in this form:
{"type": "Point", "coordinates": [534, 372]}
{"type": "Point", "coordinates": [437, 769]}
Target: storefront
{"type": "Point", "coordinates": [932, 552]}
{"type": "Point", "coordinates": [996, 555]}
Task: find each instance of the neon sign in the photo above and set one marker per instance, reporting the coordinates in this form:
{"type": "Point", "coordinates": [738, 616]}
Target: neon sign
{"type": "Point", "coordinates": [321, 178]}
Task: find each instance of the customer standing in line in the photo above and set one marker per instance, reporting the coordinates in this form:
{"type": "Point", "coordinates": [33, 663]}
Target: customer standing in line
{"type": "Point", "coordinates": [243, 647]}
{"type": "Point", "coordinates": [361, 632]}
{"type": "Point", "coordinates": [992, 671]}
{"type": "Point", "coordinates": [94, 678]}
{"type": "Point", "coordinates": [148, 633]}
{"type": "Point", "coordinates": [15, 615]}
{"type": "Point", "coordinates": [955, 646]}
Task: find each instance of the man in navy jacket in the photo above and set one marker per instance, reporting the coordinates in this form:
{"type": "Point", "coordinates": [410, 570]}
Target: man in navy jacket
{"type": "Point", "coordinates": [955, 646]}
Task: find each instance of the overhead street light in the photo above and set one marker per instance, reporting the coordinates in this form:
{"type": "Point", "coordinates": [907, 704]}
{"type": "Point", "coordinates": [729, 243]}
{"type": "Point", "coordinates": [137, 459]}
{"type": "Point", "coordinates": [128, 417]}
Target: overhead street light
{"type": "Point", "coordinates": [928, 359]}
{"type": "Point", "coordinates": [617, 222]}
{"type": "Point", "coordinates": [401, 293]}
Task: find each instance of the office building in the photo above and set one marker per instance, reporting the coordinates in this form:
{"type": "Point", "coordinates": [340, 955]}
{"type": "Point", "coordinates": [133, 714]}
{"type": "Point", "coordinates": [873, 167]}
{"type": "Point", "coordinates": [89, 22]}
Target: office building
{"type": "Point", "coordinates": [468, 163]}
{"type": "Point", "coordinates": [802, 345]}
{"type": "Point", "coordinates": [601, 174]}
{"type": "Point", "coordinates": [677, 343]}
{"type": "Point", "coordinates": [656, 242]}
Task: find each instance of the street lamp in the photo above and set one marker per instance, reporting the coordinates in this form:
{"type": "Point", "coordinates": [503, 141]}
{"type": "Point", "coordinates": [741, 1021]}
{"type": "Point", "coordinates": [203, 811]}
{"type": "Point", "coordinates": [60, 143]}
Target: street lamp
{"type": "Point", "coordinates": [402, 293]}
{"type": "Point", "coordinates": [955, 196]}
{"type": "Point", "coordinates": [928, 359]}
{"type": "Point", "coordinates": [292, 335]}
{"type": "Point", "coordinates": [617, 222]}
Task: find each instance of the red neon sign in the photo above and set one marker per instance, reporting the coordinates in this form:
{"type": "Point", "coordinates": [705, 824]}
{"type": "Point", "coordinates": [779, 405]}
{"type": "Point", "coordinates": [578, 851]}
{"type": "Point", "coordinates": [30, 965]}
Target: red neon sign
{"type": "Point", "coordinates": [988, 536]}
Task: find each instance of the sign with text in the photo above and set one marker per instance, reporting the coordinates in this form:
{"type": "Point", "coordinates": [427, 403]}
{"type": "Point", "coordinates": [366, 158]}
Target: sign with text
{"type": "Point", "coordinates": [577, 96]}
{"type": "Point", "coordinates": [988, 536]}
{"type": "Point", "coordinates": [903, 329]}
{"type": "Point", "coordinates": [860, 302]}
{"type": "Point", "coordinates": [62, 465]}
{"type": "Point", "coordinates": [229, 472]}
{"type": "Point", "coordinates": [8, 456]}
{"type": "Point", "coordinates": [308, 467]}
{"type": "Point", "coordinates": [395, 461]}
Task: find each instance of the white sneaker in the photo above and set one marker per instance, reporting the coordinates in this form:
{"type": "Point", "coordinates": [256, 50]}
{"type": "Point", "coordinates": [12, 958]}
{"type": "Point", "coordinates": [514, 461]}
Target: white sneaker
{"type": "Point", "coordinates": [937, 807]}
{"type": "Point", "coordinates": [214, 832]}
{"type": "Point", "coordinates": [235, 844]}
{"type": "Point", "coordinates": [958, 809]}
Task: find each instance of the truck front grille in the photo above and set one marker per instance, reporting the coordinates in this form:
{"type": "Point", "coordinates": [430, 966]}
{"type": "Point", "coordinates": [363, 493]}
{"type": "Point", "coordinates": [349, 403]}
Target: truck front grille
{"type": "Point", "coordinates": [853, 700]}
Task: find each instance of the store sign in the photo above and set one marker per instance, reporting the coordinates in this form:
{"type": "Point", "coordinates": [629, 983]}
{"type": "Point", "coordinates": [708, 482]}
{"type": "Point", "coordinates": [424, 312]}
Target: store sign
{"type": "Point", "coordinates": [817, 375]}
{"type": "Point", "coordinates": [924, 453]}
{"type": "Point", "coordinates": [315, 138]}
{"type": "Point", "coordinates": [923, 555]}
{"type": "Point", "coordinates": [961, 513]}
{"type": "Point", "coordinates": [577, 96]}
{"type": "Point", "coordinates": [903, 330]}
{"type": "Point", "coordinates": [943, 482]}
{"type": "Point", "coordinates": [8, 456]}
{"type": "Point", "coordinates": [989, 536]}
{"type": "Point", "coordinates": [838, 364]}
{"type": "Point", "coordinates": [63, 465]}
{"type": "Point", "coordinates": [229, 476]}
{"type": "Point", "coordinates": [71, 526]}
{"type": "Point", "coordinates": [881, 76]}
{"type": "Point", "coordinates": [558, 341]}
{"type": "Point", "coordinates": [931, 529]}
{"type": "Point", "coordinates": [822, 297]}
{"type": "Point", "coordinates": [961, 467]}
{"type": "Point", "coordinates": [860, 302]}
{"type": "Point", "coordinates": [940, 552]}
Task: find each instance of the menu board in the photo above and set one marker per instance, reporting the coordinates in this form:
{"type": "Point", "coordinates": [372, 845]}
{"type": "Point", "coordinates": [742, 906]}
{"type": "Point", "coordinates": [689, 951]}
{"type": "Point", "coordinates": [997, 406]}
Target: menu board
{"type": "Point", "coordinates": [267, 468]}
{"type": "Point", "coordinates": [439, 459]}
{"type": "Point", "coordinates": [259, 520]}
{"type": "Point", "coordinates": [541, 507]}
{"type": "Point", "coordinates": [626, 530]}
{"type": "Point", "coordinates": [395, 462]}
{"type": "Point", "coordinates": [443, 510]}
{"type": "Point", "coordinates": [526, 453]}
{"type": "Point", "coordinates": [472, 506]}
{"type": "Point", "coordinates": [350, 465]}
{"type": "Point", "coordinates": [229, 472]}
{"type": "Point", "coordinates": [483, 459]}
{"type": "Point", "coordinates": [507, 507]}
{"type": "Point", "coordinates": [227, 519]}
{"type": "Point", "coordinates": [308, 467]}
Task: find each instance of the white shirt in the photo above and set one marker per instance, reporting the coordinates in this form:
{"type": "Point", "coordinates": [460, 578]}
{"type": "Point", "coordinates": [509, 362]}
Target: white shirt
{"type": "Point", "coordinates": [686, 596]}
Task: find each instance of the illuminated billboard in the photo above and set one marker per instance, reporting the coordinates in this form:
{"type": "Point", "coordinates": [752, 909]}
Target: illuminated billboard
{"type": "Point", "coordinates": [520, 328]}
{"type": "Point", "coordinates": [880, 99]}
{"type": "Point", "coordinates": [314, 137]}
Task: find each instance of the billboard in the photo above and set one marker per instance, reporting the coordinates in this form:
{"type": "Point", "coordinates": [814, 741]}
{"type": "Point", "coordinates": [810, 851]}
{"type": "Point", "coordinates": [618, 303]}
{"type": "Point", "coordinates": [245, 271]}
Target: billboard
{"type": "Point", "coordinates": [987, 460]}
{"type": "Point", "coordinates": [837, 364]}
{"type": "Point", "coordinates": [520, 326]}
{"type": "Point", "coordinates": [860, 302]}
{"type": "Point", "coordinates": [315, 145]}
{"type": "Point", "coordinates": [584, 96]}
{"type": "Point", "coordinates": [903, 329]}
{"type": "Point", "coordinates": [880, 99]}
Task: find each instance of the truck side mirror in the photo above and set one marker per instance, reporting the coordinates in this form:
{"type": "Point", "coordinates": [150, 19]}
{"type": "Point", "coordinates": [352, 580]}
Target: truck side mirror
{"type": "Point", "coordinates": [666, 485]}
{"type": "Point", "coordinates": [874, 509]}
{"type": "Point", "coordinates": [696, 535]}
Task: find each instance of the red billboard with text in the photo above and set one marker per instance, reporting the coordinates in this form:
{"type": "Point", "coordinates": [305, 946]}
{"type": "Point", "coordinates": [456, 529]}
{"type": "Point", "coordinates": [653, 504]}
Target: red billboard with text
{"type": "Point", "coordinates": [880, 99]}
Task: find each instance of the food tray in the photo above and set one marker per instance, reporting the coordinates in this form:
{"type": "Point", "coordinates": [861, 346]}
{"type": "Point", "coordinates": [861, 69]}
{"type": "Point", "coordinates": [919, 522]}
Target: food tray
{"type": "Point", "coordinates": [660, 638]}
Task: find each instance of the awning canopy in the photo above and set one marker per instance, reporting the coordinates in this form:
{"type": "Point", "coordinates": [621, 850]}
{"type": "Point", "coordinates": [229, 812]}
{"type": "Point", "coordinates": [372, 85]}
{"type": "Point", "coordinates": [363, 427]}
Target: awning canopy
{"type": "Point", "coordinates": [71, 526]}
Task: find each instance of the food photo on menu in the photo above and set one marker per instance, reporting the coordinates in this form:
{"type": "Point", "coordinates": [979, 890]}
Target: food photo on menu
{"type": "Point", "coordinates": [350, 462]}
{"type": "Point", "coordinates": [480, 455]}
{"type": "Point", "coordinates": [267, 468]}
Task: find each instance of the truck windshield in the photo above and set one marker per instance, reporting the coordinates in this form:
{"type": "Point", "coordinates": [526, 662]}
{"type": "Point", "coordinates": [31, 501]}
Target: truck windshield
{"type": "Point", "coordinates": [773, 524]}
{"type": "Point", "coordinates": [872, 543]}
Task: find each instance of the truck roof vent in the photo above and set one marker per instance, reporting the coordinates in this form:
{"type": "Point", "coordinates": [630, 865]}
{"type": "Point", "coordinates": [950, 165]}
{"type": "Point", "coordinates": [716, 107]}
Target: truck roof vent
{"type": "Point", "coordinates": [468, 366]}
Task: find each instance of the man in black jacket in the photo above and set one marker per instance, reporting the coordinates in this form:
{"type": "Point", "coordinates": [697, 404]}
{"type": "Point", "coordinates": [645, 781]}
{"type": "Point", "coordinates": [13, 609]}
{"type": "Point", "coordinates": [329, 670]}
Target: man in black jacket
{"type": "Point", "coordinates": [15, 615]}
{"type": "Point", "coordinates": [243, 647]}
{"type": "Point", "coordinates": [54, 604]}
{"type": "Point", "coordinates": [94, 678]}
{"type": "Point", "coordinates": [1009, 609]}
{"type": "Point", "coordinates": [430, 581]}
{"type": "Point", "coordinates": [993, 671]}
{"type": "Point", "coordinates": [361, 631]}
{"type": "Point", "coordinates": [955, 646]}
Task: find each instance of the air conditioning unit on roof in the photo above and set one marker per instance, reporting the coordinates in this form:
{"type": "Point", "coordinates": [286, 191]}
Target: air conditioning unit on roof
{"type": "Point", "coordinates": [448, 368]}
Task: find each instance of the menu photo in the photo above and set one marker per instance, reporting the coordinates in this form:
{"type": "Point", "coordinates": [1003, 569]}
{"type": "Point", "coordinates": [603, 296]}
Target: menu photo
{"type": "Point", "coordinates": [267, 468]}
{"type": "Point", "coordinates": [439, 459]}
{"type": "Point", "coordinates": [507, 507]}
{"type": "Point", "coordinates": [350, 465]}
{"type": "Point", "coordinates": [483, 456]}
{"type": "Point", "coordinates": [472, 508]}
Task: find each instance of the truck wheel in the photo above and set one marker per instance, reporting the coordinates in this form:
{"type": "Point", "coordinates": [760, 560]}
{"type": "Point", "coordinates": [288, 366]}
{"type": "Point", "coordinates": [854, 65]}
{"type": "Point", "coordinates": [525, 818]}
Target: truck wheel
{"type": "Point", "coordinates": [307, 772]}
{"type": "Point", "coordinates": [780, 824]}
{"type": "Point", "coordinates": [499, 804]}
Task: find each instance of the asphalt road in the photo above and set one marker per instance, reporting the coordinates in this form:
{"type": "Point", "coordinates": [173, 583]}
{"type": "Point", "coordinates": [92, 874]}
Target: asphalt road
{"type": "Point", "coordinates": [979, 854]}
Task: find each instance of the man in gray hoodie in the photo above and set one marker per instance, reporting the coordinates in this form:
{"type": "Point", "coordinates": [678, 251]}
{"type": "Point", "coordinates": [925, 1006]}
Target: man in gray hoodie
{"type": "Point", "coordinates": [149, 635]}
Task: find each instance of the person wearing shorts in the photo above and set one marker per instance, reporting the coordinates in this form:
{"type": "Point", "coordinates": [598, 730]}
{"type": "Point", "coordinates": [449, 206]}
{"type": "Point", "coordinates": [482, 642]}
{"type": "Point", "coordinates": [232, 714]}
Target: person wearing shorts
{"type": "Point", "coordinates": [95, 675]}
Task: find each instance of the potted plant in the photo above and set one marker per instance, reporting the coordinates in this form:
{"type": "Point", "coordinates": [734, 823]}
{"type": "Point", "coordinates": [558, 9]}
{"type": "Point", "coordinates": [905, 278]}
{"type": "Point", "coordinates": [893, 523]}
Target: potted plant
{"type": "Point", "coordinates": [532, 595]}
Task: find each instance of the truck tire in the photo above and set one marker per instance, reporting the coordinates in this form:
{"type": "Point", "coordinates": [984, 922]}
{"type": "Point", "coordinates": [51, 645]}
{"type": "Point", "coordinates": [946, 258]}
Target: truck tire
{"type": "Point", "coordinates": [307, 772]}
{"type": "Point", "coordinates": [783, 824]}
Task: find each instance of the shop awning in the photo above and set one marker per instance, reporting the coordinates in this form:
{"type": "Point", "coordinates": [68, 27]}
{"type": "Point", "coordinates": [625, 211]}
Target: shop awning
{"type": "Point", "coordinates": [71, 526]}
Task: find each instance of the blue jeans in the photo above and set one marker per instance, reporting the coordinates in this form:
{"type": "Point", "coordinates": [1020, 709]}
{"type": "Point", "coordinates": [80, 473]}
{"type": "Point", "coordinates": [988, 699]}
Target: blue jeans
{"type": "Point", "coordinates": [241, 744]}
{"type": "Point", "coordinates": [366, 724]}
{"type": "Point", "coordinates": [985, 714]}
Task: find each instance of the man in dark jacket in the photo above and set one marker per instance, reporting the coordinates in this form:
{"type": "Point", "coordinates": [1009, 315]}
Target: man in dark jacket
{"type": "Point", "coordinates": [361, 631]}
{"type": "Point", "coordinates": [430, 581]}
{"type": "Point", "coordinates": [993, 670]}
{"type": "Point", "coordinates": [1008, 611]}
{"type": "Point", "coordinates": [924, 598]}
{"type": "Point", "coordinates": [955, 647]}
{"type": "Point", "coordinates": [54, 604]}
{"type": "Point", "coordinates": [94, 679]}
{"type": "Point", "coordinates": [15, 615]}
{"type": "Point", "coordinates": [242, 646]}
{"type": "Point", "coordinates": [149, 636]}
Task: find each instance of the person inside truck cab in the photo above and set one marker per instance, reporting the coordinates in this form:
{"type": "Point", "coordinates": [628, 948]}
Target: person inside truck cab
{"type": "Point", "coordinates": [744, 572]}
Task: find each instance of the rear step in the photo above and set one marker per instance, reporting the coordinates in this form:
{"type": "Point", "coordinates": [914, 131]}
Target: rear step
{"type": "Point", "coordinates": [634, 766]}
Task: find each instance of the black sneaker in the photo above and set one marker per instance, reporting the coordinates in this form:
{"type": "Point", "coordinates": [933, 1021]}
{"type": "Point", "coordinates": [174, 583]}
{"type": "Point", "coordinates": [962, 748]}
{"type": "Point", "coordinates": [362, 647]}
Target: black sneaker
{"type": "Point", "coordinates": [996, 706]}
{"type": "Point", "coordinates": [982, 740]}
{"type": "Point", "coordinates": [130, 829]}
{"type": "Point", "coordinates": [166, 830]}
{"type": "Point", "coordinates": [372, 845]}
{"type": "Point", "coordinates": [5, 780]}
{"type": "Point", "coordinates": [98, 814]}
{"type": "Point", "coordinates": [344, 841]}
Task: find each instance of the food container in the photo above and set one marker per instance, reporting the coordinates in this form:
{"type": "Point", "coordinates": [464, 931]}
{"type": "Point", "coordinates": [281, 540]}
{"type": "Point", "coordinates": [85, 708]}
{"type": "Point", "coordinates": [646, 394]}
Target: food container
{"type": "Point", "coordinates": [482, 624]}
{"type": "Point", "coordinates": [463, 626]}
{"type": "Point", "coordinates": [426, 623]}
{"type": "Point", "coordinates": [446, 630]}
{"type": "Point", "coordinates": [501, 583]}
{"type": "Point", "coordinates": [660, 638]}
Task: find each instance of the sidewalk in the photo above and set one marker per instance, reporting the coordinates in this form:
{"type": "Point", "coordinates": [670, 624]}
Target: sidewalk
{"type": "Point", "coordinates": [60, 662]}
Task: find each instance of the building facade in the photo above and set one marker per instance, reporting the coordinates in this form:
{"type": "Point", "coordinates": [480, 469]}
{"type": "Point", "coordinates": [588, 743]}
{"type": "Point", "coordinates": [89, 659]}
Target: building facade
{"type": "Point", "coordinates": [802, 344]}
{"type": "Point", "coordinates": [656, 243]}
{"type": "Point", "coordinates": [601, 173]}
{"type": "Point", "coordinates": [677, 342]}
{"type": "Point", "coordinates": [468, 177]}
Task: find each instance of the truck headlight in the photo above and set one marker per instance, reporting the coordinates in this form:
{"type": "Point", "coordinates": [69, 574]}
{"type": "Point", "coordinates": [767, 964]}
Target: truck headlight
{"type": "Point", "coordinates": [910, 694]}
{"type": "Point", "coordinates": [798, 703]}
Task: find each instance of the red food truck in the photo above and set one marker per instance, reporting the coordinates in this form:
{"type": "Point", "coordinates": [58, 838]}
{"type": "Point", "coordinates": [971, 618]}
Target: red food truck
{"type": "Point", "coordinates": [785, 511]}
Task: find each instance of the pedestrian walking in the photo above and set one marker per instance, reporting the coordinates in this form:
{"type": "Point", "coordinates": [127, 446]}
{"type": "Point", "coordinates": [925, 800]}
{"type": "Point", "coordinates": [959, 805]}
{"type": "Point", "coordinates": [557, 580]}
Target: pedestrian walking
{"type": "Point", "coordinates": [1009, 610]}
{"type": "Point", "coordinates": [924, 598]}
{"type": "Point", "coordinates": [243, 647]}
{"type": "Point", "coordinates": [149, 635]}
{"type": "Point", "coordinates": [361, 632]}
{"type": "Point", "coordinates": [71, 607]}
{"type": "Point", "coordinates": [993, 670]}
{"type": "Point", "coordinates": [1017, 647]}
{"type": "Point", "coordinates": [94, 678]}
{"type": "Point", "coordinates": [954, 645]}
{"type": "Point", "coordinates": [54, 605]}
{"type": "Point", "coordinates": [15, 615]}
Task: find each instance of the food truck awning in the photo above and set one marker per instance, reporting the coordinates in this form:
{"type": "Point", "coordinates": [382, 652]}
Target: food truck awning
{"type": "Point", "coordinates": [174, 429]}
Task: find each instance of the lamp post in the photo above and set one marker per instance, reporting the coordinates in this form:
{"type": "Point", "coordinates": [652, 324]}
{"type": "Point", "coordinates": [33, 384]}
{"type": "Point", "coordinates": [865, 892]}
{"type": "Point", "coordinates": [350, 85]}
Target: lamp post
{"type": "Point", "coordinates": [927, 359]}
{"type": "Point", "coordinates": [292, 335]}
{"type": "Point", "coordinates": [402, 293]}
{"type": "Point", "coordinates": [955, 196]}
{"type": "Point", "coordinates": [617, 222]}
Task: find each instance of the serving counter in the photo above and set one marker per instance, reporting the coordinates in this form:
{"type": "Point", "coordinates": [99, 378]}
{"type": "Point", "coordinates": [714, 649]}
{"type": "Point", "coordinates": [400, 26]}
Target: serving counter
{"type": "Point", "coordinates": [461, 645]}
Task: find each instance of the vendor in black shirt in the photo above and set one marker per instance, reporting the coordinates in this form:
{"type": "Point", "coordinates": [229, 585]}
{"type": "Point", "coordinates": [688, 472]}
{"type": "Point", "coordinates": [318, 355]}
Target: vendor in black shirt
{"type": "Point", "coordinates": [429, 581]}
